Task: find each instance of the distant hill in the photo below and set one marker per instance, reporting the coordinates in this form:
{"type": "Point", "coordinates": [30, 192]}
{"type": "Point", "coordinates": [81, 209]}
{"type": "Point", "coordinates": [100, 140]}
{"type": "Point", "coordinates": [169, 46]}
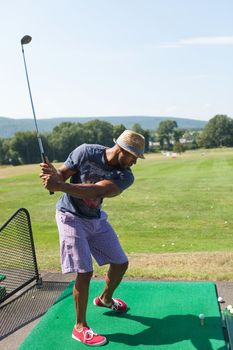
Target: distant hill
{"type": "Point", "coordinates": [9, 126]}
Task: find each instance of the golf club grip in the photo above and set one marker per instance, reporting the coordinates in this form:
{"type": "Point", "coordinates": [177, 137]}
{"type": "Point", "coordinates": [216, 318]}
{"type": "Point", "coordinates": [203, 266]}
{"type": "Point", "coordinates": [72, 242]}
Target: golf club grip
{"type": "Point", "coordinates": [44, 160]}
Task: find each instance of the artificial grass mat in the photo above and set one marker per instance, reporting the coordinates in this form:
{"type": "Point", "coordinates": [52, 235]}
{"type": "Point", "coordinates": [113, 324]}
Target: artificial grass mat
{"type": "Point", "coordinates": [2, 277]}
{"type": "Point", "coordinates": [162, 315]}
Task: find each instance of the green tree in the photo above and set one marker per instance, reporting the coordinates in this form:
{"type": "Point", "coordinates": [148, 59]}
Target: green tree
{"type": "Point", "coordinates": [117, 130]}
{"type": "Point", "coordinates": [178, 147]}
{"type": "Point", "coordinates": [67, 136]}
{"type": "Point", "coordinates": [1, 151]}
{"type": "Point", "coordinates": [177, 134]}
{"type": "Point", "coordinates": [64, 138]}
{"type": "Point", "coordinates": [100, 132]}
{"type": "Point", "coordinates": [192, 139]}
{"type": "Point", "coordinates": [6, 155]}
{"type": "Point", "coordinates": [165, 133]}
{"type": "Point", "coordinates": [24, 146]}
{"type": "Point", "coordinates": [217, 132]}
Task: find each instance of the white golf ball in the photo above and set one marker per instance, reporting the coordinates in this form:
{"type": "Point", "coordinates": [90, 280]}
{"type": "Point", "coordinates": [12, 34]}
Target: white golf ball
{"type": "Point", "coordinates": [220, 299]}
{"type": "Point", "coordinates": [202, 319]}
{"type": "Point", "coordinates": [229, 307]}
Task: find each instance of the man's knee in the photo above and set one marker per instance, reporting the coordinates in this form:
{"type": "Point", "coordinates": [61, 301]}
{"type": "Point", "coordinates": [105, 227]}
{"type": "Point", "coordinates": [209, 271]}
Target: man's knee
{"type": "Point", "coordinates": [125, 266]}
{"type": "Point", "coordinates": [120, 267]}
{"type": "Point", "coordinates": [82, 280]}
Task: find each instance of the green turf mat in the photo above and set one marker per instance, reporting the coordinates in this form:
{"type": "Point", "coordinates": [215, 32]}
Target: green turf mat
{"type": "Point", "coordinates": [228, 317]}
{"type": "Point", "coordinates": [162, 315]}
{"type": "Point", "coordinates": [2, 277]}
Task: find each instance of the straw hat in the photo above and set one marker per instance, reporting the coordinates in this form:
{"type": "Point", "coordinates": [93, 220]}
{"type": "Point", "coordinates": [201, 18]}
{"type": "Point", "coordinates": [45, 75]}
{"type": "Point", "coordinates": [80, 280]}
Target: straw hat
{"type": "Point", "coordinates": [132, 142]}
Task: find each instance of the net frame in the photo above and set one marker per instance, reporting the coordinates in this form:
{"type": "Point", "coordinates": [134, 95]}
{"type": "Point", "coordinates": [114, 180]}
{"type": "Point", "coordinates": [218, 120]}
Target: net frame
{"type": "Point", "coordinates": [18, 261]}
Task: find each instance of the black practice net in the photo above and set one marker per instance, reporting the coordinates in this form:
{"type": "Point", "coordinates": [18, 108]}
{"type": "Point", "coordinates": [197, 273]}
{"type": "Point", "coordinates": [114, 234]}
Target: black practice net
{"type": "Point", "coordinates": [18, 266]}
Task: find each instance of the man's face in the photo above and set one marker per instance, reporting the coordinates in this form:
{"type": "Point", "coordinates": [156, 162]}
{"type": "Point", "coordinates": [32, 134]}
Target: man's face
{"type": "Point", "coordinates": [126, 159]}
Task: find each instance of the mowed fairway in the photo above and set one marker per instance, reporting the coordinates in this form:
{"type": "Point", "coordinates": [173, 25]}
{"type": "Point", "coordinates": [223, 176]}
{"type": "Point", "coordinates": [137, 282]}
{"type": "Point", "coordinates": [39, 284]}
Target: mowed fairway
{"type": "Point", "coordinates": [176, 221]}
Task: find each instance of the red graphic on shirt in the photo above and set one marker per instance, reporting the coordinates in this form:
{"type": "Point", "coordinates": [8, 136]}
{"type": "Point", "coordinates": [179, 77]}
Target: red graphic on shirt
{"type": "Point", "coordinates": [92, 203]}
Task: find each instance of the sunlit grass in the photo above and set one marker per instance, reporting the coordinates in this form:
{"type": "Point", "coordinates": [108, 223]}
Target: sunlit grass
{"type": "Point", "coordinates": [175, 205]}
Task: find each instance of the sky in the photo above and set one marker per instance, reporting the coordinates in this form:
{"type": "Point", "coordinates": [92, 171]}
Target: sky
{"type": "Point", "coordinates": [117, 58]}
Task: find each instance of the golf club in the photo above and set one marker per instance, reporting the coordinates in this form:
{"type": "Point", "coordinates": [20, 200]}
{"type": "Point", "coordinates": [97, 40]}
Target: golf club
{"type": "Point", "coordinates": [26, 40]}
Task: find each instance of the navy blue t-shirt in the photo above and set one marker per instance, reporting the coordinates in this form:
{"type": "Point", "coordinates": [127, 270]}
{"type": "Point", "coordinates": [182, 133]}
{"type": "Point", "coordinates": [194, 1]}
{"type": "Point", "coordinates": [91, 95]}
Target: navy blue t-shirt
{"type": "Point", "coordinates": [90, 166]}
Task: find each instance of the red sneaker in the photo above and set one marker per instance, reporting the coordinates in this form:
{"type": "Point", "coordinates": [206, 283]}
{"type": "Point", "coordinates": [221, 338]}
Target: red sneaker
{"type": "Point", "coordinates": [117, 304]}
{"type": "Point", "coordinates": [88, 337]}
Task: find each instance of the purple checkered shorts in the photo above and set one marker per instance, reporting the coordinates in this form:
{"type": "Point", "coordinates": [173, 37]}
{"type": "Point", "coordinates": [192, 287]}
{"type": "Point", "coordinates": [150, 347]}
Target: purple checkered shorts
{"type": "Point", "coordinates": [81, 238]}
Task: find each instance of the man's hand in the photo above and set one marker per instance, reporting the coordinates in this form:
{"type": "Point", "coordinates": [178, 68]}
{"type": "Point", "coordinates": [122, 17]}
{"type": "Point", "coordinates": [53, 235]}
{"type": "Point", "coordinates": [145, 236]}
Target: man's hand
{"type": "Point", "coordinates": [48, 168]}
{"type": "Point", "coordinates": [51, 178]}
{"type": "Point", "coordinates": [51, 182]}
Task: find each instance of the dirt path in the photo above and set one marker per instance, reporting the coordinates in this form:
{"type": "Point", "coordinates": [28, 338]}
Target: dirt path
{"type": "Point", "coordinates": [193, 266]}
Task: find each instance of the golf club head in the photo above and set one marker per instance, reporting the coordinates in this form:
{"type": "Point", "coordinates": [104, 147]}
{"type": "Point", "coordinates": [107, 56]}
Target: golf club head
{"type": "Point", "coordinates": [26, 40]}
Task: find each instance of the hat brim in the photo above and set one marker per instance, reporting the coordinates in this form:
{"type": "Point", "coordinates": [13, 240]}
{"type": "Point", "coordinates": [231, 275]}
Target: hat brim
{"type": "Point", "coordinates": [129, 151]}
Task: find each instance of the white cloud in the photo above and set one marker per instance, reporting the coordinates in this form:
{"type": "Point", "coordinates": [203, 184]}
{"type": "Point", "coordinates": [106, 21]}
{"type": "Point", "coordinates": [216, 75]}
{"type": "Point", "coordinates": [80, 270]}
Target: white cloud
{"type": "Point", "coordinates": [168, 46]}
{"type": "Point", "coordinates": [208, 40]}
{"type": "Point", "coordinates": [196, 77]}
{"type": "Point", "coordinates": [205, 40]}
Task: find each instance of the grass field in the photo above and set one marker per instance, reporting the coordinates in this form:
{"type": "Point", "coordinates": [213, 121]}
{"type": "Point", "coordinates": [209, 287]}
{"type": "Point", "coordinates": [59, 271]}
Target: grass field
{"type": "Point", "coordinates": [176, 221]}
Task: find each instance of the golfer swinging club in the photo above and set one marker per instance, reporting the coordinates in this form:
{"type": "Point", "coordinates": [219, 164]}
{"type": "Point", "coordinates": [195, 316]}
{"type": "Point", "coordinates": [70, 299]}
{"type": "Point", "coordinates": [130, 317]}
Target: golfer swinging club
{"type": "Point", "coordinates": [95, 172]}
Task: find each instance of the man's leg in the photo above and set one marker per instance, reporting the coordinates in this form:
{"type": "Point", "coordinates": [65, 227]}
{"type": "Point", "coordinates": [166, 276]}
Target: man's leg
{"type": "Point", "coordinates": [113, 279]}
{"type": "Point", "coordinates": [81, 331]}
{"type": "Point", "coordinates": [106, 249]}
{"type": "Point", "coordinates": [80, 292]}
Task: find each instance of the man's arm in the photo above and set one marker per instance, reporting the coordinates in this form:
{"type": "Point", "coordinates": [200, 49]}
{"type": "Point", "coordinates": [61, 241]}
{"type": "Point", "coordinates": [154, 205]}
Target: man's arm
{"type": "Point", "coordinates": [65, 172]}
{"type": "Point", "coordinates": [101, 189]}
{"type": "Point", "coordinates": [54, 180]}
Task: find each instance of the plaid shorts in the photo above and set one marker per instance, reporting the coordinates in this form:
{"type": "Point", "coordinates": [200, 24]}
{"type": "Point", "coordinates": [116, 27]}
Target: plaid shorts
{"type": "Point", "coordinates": [81, 238]}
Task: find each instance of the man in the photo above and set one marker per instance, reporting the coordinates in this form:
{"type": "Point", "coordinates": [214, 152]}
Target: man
{"type": "Point", "coordinates": [96, 172]}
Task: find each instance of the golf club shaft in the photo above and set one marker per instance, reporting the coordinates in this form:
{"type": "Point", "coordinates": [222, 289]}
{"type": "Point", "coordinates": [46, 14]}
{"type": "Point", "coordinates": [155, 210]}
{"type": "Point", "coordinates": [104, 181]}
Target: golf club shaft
{"type": "Point", "coordinates": [34, 115]}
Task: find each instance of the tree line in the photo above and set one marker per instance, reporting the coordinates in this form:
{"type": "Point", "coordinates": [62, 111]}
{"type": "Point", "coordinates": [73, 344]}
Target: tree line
{"type": "Point", "coordinates": [23, 148]}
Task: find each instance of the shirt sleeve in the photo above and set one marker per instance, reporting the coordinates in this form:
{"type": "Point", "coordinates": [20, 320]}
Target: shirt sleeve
{"type": "Point", "coordinates": [123, 179]}
{"type": "Point", "coordinates": [76, 158]}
